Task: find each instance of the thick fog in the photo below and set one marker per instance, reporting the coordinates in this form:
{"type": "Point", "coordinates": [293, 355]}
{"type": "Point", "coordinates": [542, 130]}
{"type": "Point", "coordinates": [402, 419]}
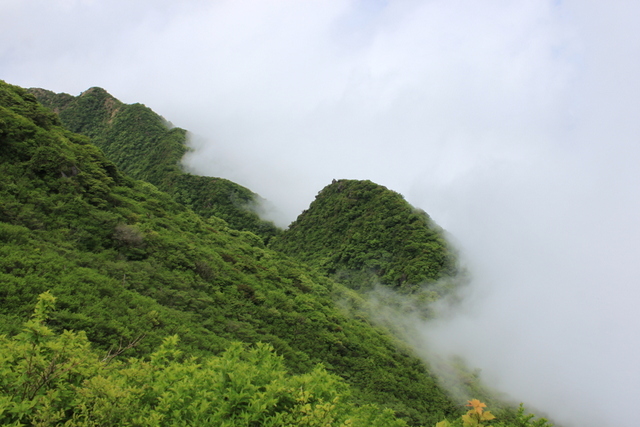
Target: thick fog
{"type": "Point", "coordinates": [514, 124]}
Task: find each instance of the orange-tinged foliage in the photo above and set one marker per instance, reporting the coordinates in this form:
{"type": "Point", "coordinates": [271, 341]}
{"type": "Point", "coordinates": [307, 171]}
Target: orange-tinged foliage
{"type": "Point", "coordinates": [477, 406]}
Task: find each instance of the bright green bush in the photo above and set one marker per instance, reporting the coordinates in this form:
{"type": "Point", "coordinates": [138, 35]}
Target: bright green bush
{"type": "Point", "coordinates": [54, 379]}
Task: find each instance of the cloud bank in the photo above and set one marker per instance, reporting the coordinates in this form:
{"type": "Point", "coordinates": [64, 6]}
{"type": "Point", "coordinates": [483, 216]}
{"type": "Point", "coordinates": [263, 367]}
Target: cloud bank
{"type": "Point", "coordinates": [513, 123]}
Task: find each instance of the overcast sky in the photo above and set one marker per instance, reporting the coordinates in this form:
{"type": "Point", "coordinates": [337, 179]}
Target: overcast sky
{"type": "Point", "coordinates": [514, 124]}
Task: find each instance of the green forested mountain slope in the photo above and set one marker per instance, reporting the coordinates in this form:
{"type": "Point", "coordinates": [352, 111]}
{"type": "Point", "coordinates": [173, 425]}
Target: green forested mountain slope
{"type": "Point", "coordinates": [125, 260]}
{"type": "Point", "coordinates": [49, 378]}
{"type": "Point", "coordinates": [144, 146]}
{"type": "Point", "coordinates": [362, 233]}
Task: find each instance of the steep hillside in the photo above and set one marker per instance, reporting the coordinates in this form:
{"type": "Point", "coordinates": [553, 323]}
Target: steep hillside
{"type": "Point", "coordinates": [126, 261]}
{"type": "Point", "coordinates": [50, 379]}
{"type": "Point", "coordinates": [361, 233]}
{"type": "Point", "coordinates": [145, 146]}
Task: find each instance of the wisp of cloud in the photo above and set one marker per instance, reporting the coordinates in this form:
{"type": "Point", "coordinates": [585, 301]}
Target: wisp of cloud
{"type": "Point", "coordinates": [514, 124]}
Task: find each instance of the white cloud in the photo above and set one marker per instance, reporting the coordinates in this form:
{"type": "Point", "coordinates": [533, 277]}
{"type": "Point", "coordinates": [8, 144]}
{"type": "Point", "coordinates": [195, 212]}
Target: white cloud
{"type": "Point", "coordinates": [513, 123]}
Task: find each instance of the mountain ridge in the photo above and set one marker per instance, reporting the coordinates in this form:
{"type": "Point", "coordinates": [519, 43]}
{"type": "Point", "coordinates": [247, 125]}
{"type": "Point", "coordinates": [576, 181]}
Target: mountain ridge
{"type": "Point", "coordinates": [126, 260]}
{"type": "Point", "coordinates": [146, 146]}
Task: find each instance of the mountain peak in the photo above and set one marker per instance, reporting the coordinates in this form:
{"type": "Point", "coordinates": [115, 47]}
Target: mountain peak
{"type": "Point", "coordinates": [362, 233]}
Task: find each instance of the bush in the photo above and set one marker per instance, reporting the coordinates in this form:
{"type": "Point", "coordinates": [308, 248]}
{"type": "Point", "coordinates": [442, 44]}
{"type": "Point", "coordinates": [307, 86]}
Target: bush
{"type": "Point", "coordinates": [48, 378]}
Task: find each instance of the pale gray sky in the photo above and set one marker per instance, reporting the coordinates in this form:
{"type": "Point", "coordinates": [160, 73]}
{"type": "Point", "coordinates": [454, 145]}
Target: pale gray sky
{"type": "Point", "coordinates": [513, 123]}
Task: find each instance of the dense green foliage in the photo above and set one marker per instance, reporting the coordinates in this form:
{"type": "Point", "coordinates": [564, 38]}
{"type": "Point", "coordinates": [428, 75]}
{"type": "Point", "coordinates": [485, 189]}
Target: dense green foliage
{"type": "Point", "coordinates": [51, 379]}
{"type": "Point", "coordinates": [126, 261]}
{"type": "Point", "coordinates": [48, 378]}
{"type": "Point", "coordinates": [135, 268]}
{"type": "Point", "coordinates": [144, 146]}
{"type": "Point", "coordinates": [362, 233]}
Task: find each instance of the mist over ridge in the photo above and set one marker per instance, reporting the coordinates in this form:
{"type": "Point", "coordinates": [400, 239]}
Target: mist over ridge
{"type": "Point", "coordinates": [513, 124]}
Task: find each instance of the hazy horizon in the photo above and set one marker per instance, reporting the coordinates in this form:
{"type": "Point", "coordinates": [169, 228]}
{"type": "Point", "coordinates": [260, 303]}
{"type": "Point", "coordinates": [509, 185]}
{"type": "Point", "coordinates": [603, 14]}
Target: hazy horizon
{"type": "Point", "coordinates": [514, 124]}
